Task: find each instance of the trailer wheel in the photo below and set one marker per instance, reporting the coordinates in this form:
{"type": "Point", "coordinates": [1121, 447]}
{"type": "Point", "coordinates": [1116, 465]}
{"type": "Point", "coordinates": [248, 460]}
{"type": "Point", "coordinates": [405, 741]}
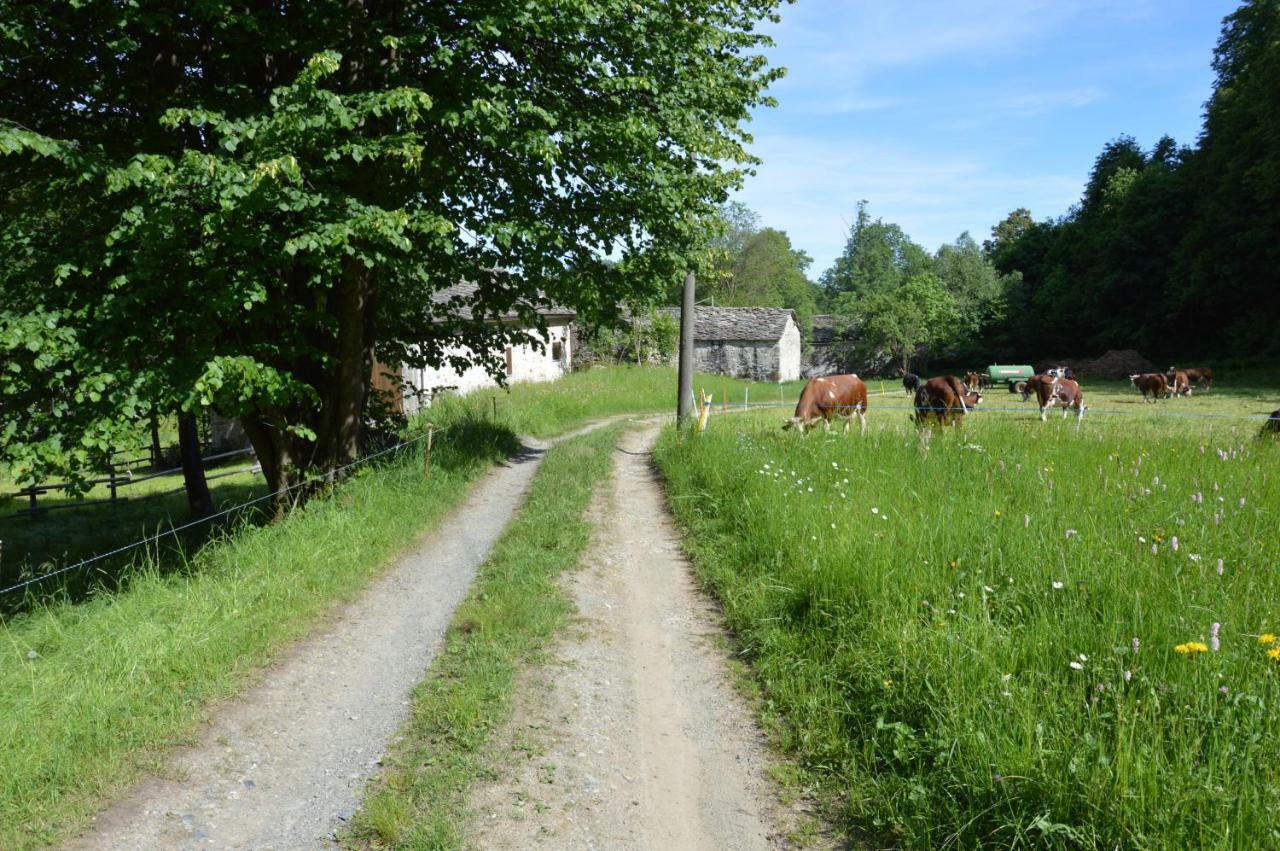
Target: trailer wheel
{"type": "Point", "coordinates": [1018, 387]}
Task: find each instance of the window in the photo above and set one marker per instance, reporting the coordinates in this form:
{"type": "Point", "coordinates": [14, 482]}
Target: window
{"type": "Point", "coordinates": [510, 361]}
{"type": "Point", "coordinates": [557, 350]}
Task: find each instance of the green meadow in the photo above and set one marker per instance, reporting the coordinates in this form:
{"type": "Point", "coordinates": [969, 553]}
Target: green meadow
{"type": "Point", "coordinates": [1013, 633]}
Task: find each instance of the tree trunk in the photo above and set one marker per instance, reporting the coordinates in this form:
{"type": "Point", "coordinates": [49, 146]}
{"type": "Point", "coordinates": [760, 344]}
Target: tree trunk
{"type": "Point", "coordinates": [274, 448]}
{"type": "Point", "coordinates": [338, 438]}
{"type": "Point", "coordinates": [198, 498]}
{"type": "Point", "coordinates": [157, 451]}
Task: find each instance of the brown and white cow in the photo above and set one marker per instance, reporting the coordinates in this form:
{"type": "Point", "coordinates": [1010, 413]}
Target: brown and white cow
{"type": "Point", "coordinates": [1050, 390]}
{"type": "Point", "coordinates": [1151, 383]}
{"type": "Point", "coordinates": [829, 396]}
{"type": "Point", "coordinates": [1179, 383]}
{"type": "Point", "coordinates": [945, 400]}
{"type": "Point", "coordinates": [1198, 375]}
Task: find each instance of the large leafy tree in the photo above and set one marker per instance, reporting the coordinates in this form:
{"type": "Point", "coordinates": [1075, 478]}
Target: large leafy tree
{"type": "Point", "coordinates": [240, 207]}
{"type": "Point", "coordinates": [877, 258]}
{"type": "Point", "coordinates": [917, 314]}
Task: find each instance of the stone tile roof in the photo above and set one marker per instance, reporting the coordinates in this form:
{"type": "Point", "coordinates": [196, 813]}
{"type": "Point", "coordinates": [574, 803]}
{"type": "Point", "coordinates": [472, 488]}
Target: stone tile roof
{"type": "Point", "coordinates": [465, 295]}
{"type": "Point", "coordinates": [737, 324]}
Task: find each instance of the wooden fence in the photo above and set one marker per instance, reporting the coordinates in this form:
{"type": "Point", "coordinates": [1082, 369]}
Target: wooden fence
{"type": "Point", "coordinates": [120, 475]}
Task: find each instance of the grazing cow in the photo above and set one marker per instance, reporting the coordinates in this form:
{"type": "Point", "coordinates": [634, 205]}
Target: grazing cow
{"type": "Point", "coordinates": [944, 399]}
{"type": "Point", "coordinates": [1272, 425]}
{"type": "Point", "coordinates": [1179, 384]}
{"type": "Point", "coordinates": [1198, 375]}
{"type": "Point", "coordinates": [1051, 390]}
{"type": "Point", "coordinates": [910, 381]}
{"type": "Point", "coordinates": [1153, 383]}
{"type": "Point", "coordinates": [832, 395]}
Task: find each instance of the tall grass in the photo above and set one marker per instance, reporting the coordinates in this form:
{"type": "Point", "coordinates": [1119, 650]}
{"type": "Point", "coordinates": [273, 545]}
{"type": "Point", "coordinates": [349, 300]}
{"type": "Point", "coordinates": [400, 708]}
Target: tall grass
{"type": "Point", "coordinates": [974, 640]}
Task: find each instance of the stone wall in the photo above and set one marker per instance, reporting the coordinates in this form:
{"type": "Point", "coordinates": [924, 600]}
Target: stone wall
{"type": "Point", "coordinates": [757, 361]}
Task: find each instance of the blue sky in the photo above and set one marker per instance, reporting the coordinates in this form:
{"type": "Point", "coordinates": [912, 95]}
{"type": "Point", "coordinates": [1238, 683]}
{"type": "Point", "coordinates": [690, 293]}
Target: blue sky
{"type": "Point", "coordinates": [947, 115]}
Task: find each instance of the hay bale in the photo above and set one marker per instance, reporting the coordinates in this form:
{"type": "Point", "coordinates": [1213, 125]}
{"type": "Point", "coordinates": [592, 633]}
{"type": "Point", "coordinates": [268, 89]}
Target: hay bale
{"type": "Point", "coordinates": [1117, 363]}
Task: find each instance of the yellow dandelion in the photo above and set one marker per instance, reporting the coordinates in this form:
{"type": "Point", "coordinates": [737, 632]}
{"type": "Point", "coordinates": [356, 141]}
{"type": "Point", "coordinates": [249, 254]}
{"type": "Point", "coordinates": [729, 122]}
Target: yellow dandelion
{"type": "Point", "coordinates": [1274, 654]}
{"type": "Point", "coordinates": [1267, 638]}
{"type": "Point", "coordinates": [1191, 648]}
{"type": "Point", "coordinates": [998, 514]}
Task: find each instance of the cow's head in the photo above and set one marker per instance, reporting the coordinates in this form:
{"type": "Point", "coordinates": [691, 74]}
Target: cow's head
{"type": "Point", "coordinates": [1133, 379]}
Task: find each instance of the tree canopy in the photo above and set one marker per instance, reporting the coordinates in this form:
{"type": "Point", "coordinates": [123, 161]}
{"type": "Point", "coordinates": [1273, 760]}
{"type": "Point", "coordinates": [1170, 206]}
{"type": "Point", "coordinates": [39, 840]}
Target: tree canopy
{"type": "Point", "coordinates": [242, 207]}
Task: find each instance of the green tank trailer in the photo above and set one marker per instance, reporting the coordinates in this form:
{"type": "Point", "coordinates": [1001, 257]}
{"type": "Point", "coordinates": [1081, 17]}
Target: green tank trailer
{"type": "Point", "coordinates": [1013, 376]}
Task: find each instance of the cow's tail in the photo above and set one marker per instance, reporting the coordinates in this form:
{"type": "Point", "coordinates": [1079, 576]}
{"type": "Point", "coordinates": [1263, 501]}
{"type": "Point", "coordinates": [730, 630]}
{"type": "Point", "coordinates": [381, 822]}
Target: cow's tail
{"type": "Point", "coordinates": [958, 386]}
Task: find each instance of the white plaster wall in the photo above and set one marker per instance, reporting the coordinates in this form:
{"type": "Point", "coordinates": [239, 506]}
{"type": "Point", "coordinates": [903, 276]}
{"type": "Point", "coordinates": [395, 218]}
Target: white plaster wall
{"type": "Point", "coordinates": [789, 352]}
{"type": "Point", "coordinates": [528, 364]}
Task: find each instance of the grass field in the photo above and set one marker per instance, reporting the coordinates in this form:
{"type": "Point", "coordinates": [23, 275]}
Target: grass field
{"type": "Point", "coordinates": [546, 409]}
{"type": "Point", "coordinates": [994, 638]}
{"type": "Point", "coordinates": [95, 685]}
{"type": "Point", "coordinates": [514, 608]}
{"type": "Point", "coordinates": [31, 547]}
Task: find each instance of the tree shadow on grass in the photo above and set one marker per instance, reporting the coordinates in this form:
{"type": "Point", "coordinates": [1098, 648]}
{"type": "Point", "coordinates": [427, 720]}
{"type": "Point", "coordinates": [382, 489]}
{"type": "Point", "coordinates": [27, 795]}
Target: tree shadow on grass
{"type": "Point", "coordinates": [61, 540]}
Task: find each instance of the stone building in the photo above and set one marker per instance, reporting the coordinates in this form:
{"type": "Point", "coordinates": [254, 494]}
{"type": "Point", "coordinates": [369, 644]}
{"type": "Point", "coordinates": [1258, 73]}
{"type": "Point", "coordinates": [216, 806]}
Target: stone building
{"type": "Point", "coordinates": [760, 343]}
{"type": "Point", "coordinates": [520, 362]}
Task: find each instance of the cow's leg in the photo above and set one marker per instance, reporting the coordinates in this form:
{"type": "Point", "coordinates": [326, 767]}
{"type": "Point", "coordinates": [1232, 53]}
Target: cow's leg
{"type": "Point", "coordinates": [862, 421]}
{"type": "Point", "coordinates": [1043, 409]}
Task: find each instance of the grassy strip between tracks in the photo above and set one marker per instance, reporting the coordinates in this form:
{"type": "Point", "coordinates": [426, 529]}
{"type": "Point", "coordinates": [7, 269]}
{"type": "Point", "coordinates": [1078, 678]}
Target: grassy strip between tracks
{"type": "Point", "coordinates": [515, 606]}
{"type": "Point", "coordinates": [93, 693]}
{"type": "Point", "coordinates": [1014, 634]}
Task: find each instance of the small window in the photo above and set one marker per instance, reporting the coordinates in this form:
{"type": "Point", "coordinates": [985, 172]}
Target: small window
{"type": "Point", "coordinates": [510, 361]}
{"type": "Point", "coordinates": [557, 350]}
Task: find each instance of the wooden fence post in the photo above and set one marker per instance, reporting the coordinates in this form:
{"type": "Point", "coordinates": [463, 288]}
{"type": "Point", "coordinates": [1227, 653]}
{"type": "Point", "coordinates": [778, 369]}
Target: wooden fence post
{"type": "Point", "coordinates": [426, 456]}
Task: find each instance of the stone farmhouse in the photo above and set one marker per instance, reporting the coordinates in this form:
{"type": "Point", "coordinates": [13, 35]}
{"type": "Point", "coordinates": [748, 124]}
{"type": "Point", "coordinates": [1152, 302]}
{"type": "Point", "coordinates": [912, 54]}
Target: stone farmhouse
{"type": "Point", "coordinates": [759, 343]}
{"type": "Point", "coordinates": [520, 362]}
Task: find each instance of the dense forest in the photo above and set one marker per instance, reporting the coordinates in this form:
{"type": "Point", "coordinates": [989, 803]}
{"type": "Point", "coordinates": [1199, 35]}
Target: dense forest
{"type": "Point", "coordinates": [1173, 250]}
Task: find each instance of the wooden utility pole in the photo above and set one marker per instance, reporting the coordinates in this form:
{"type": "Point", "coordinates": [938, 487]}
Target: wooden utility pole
{"type": "Point", "coordinates": [684, 403]}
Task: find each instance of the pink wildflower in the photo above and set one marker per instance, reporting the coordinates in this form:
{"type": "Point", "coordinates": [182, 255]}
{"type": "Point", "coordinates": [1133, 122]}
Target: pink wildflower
{"type": "Point", "coordinates": [1174, 543]}
{"type": "Point", "coordinates": [1214, 644]}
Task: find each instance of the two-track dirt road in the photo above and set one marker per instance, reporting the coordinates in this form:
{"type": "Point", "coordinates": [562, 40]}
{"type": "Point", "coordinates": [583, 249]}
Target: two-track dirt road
{"type": "Point", "coordinates": [646, 743]}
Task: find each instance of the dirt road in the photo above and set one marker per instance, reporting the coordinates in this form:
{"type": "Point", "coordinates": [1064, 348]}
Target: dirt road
{"type": "Point", "coordinates": [283, 765]}
{"type": "Point", "coordinates": [633, 736]}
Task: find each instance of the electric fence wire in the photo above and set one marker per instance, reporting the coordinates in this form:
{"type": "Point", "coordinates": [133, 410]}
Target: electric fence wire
{"type": "Point", "coordinates": [328, 476]}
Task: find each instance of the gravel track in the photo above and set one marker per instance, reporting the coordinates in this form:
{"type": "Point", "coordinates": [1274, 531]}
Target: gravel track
{"type": "Point", "coordinates": [632, 736]}
{"type": "Point", "coordinates": [283, 765]}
